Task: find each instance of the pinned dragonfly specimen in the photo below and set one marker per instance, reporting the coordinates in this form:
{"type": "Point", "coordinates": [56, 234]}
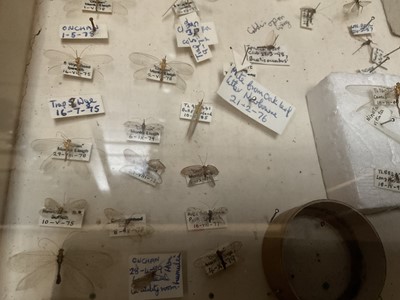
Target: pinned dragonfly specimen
{"type": "Point", "coordinates": [64, 150]}
{"type": "Point", "coordinates": [219, 259]}
{"type": "Point", "coordinates": [67, 265]}
{"type": "Point", "coordinates": [52, 206]}
{"type": "Point", "coordinates": [161, 70]}
{"type": "Point", "coordinates": [142, 132]}
{"type": "Point", "coordinates": [74, 7]}
{"type": "Point", "coordinates": [355, 6]}
{"type": "Point", "coordinates": [198, 174]}
{"type": "Point", "coordinates": [134, 225]}
{"type": "Point", "coordinates": [148, 171]}
{"type": "Point", "coordinates": [204, 218]}
{"type": "Point", "coordinates": [75, 65]}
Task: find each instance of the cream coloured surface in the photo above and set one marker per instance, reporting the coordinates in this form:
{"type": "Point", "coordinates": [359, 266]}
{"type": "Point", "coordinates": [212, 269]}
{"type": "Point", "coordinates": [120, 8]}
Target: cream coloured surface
{"type": "Point", "coordinates": [259, 171]}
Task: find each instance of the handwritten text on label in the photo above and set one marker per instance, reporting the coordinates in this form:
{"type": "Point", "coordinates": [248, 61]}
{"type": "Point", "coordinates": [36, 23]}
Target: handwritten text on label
{"type": "Point", "coordinates": [386, 179]}
{"type": "Point", "coordinates": [262, 55]}
{"type": "Point", "coordinates": [68, 219]}
{"type": "Point", "coordinates": [208, 30]}
{"type": "Point", "coordinates": [79, 152]}
{"type": "Point", "coordinates": [102, 6]}
{"type": "Point", "coordinates": [74, 106]}
{"type": "Point", "coordinates": [83, 32]}
{"type": "Point", "coordinates": [187, 110]}
{"type": "Point", "coordinates": [251, 98]}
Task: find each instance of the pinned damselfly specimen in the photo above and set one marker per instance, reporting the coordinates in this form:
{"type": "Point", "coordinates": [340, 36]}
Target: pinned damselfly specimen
{"type": "Point", "coordinates": [63, 151]}
{"type": "Point", "coordinates": [66, 215]}
{"type": "Point", "coordinates": [219, 259]}
{"type": "Point", "coordinates": [161, 70]}
{"type": "Point", "coordinates": [148, 171]}
{"type": "Point", "coordinates": [355, 6]}
{"type": "Point", "coordinates": [123, 225]}
{"type": "Point", "coordinates": [73, 7]}
{"type": "Point", "coordinates": [199, 219]}
{"type": "Point", "coordinates": [143, 132]}
{"type": "Point", "coordinates": [198, 174]}
{"type": "Point", "coordinates": [74, 64]}
{"type": "Point", "coordinates": [68, 265]}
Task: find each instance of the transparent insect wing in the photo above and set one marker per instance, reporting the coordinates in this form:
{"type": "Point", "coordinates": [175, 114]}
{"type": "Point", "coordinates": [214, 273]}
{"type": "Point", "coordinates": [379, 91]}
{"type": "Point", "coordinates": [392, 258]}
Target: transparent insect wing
{"type": "Point", "coordinates": [97, 59]}
{"type": "Point", "coordinates": [195, 170]}
{"type": "Point", "coordinates": [52, 204]}
{"type": "Point", "coordinates": [77, 204]}
{"type": "Point", "coordinates": [134, 158]}
{"type": "Point", "coordinates": [181, 67]}
{"type": "Point", "coordinates": [144, 59]}
{"type": "Point", "coordinates": [211, 170]}
{"type": "Point", "coordinates": [156, 165]}
{"type": "Point", "coordinates": [41, 145]}
{"type": "Point", "coordinates": [141, 73]}
{"type": "Point", "coordinates": [29, 261]}
{"type": "Point", "coordinates": [155, 176]}
{"type": "Point", "coordinates": [180, 83]}
{"type": "Point", "coordinates": [34, 278]}
{"type": "Point", "coordinates": [76, 278]}
{"type": "Point", "coordinates": [113, 215]}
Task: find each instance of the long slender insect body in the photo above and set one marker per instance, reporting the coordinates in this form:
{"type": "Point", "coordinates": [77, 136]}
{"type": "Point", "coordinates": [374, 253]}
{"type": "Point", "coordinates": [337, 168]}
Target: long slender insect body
{"type": "Point", "coordinates": [60, 259]}
{"type": "Point", "coordinates": [163, 67]}
{"type": "Point", "coordinates": [220, 255]}
{"type": "Point", "coordinates": [210, 215]}
{"type": "Point", "coordinates": [195, 118]}
{"type": "Point", "coordinates": [310, 14]}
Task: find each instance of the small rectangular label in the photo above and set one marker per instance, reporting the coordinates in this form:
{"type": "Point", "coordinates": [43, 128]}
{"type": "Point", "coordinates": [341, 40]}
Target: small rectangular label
{"type": "Point", "coordinates": [142, 176]}
{"type": "Point", "coordinates": [380, 96]}
{"type": "Point", "coordinates": [185, 7]}
{"type": "Point", "coordinates": [187, 110]}
{"type": "Point", "coordinates": [191, 26]}
{"type": "Point", "coordinates": [306, 18]}
{"type": "Point", "coordinates": [377, 55]}
{"type": "Point", "coordinates": [69, 219]}
{"type": "Point", "coordinates": [100, 6]}
{"type": "Point", "coordinates": [197, 219]}
{"type": "Point", "coordinates": [262, 55]}
{"type": "Point", "coordinates": [207, 29]}
{"type": "Point", "coordinates": [168, 76]}
{"type": "Point", "coordinates": [78, 152]}
{"type": "Point", "coordinates": [70, 68]}
{"type": "Point", "coordinates": [76, 32]}
{"type": "Point", "coordinates": [251, 70]}
{"type": "Point", "coordinates": [251, 98]}
{"type": "Point", "coordinates": [196, 180]}
{"type": "Point", "coordinates": [129, 226]}
{"type": "Point", "coordinates": [75, 106]}
{"type": "Point", "coordinates": [386, 179]}
{"type": "Point", "coordinates": [155, 276]}
{"type": "Point", "coordinates": [360, 29]}
{"type": "Point", "coordinates": [153, 137]}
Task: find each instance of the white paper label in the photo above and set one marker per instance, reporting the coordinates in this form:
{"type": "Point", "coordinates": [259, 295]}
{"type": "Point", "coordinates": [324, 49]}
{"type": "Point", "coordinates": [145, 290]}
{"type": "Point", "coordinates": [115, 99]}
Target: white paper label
{"type": "Point", "coordinates": [219, 259]}
{"type": "Point", "coordinates": [155, 276]}
{"type": "Point", "coordinates": [66, 219]}
{"type": "Point", "coordinates": [191, 27]}
{"type": "Point", "coordinates": [70, 68]}
{"type": "Point", "coordinates": [255, 101]}
{"type": "Point", "coordinates": [131, 225]}
{"type": "Point", "coordinates": [207, 29]}
{"type": "Point", "coordinates": [169, 75]}
{"type": "Point", "coordinates": [275, 56]}
{"type": "Point", "coordinates": [386, 179]}
{"type": "Point", "coordinates": [381, 118]}
{"type": "Point", "coordinates": [185, 7]}
{"type": "Point", "coordinates": [251, 70]}
{"type": "Point", "coordinates": [196, 180]}
{"type": "Point", "coordinates": [379, 96]}
{"type": "Point", "coordinates": [306, 18]}
{"type": "Point", "coordinates": [100, 6]}
{"type": "Point", "coordinates": [75, 106]}
{"type": "Point", "coordinates": [361, 29]}
{"type": "Point", "coordinates": [78, 152]}
{"type": "Point", "coordinates": [377, 55]}
{"type": "Point", "coordinates": [83, 32]}
{"type": "Point", "coordinates": [368, 70]}
{"type": "Point", "coordinates": [187, 110]}
{"type": "Point", "coordinates": [148, 136]}
{"type": "Point", "coordinates": [142, 176]}
{"type": "Point", "coordinates": [197, 219]}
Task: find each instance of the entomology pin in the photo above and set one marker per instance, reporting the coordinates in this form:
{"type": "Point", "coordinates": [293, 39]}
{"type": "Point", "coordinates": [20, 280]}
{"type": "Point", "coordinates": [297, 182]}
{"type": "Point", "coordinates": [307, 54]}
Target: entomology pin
{"type": "Point", "coordinates": [388, 121]}
{"type": "Point", "coordinates": [366, 42]}
{"type": "Point", "coordinates": [378, 65]}
{"type": "Point", "coordinates": [200, 174]}
{"type": "Point", "coordinates": [68, 264]}
{"type": "Point", "coordinates": [132, 225]}
{"type": "Point", "coordinates": [355, 6]}
{"type": "Point", "coordinates": [220, 259]}
{"type": "Point", "coordinates": [398, 48]}
{"type": "Point", "coordinates": [161, 70]}
{"type": "Point", "coordinates": [369, 22]}
{"type": "Point", "coordinates": [93, 26]}
{"type": "Point", "coordinates": [274, 215]}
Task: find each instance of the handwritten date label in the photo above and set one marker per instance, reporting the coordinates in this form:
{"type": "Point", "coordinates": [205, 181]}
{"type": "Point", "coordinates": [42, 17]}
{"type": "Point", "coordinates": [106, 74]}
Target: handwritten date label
{"type": "Point", "coordinates": [185, 7]}
{"type": "Point", "coordinates": [78, 152]}
{"type": "Point", "coordinates": [138, 174]}
{"type": "Point", "coordinates": [306, 18]}
{"type": "Point", "coordinates": [264, 56]}
{"type": "Point", "coordinates": [102, 6]}
{"type": "Point", "coordinates": [191, 27]}
{"type": "Point", "coordinates": [386, 179]}
{"type": "Point", "coordinates": [380, 96]}
{"type": "Point", "coordinates": [361, 29]}
{"type": "Point", "coordinates": [66, 219]}
{"type": "Point", "coordinates": [70, 68]}
{"type": "Point", "coordinates": [251, 98]}
{"type": "Point", "coordinates": [168, 76]}
{"type": "Point", "coordinates": [187, 110]}
{"type": "Point", "coordinates": [75, 106]}
{"type": "Point", "coordinates": [75, 32]}
{"type": "Point", "coordinates": [147, 136]}
{"type": "Point", "coordinates": [377, 55]}
{"type": "Point", "coordinates": [155, 276]}
{"type": "Point", "coordinates": [197, 221]}
{"type": "Point", "coordinates": [207, 29]}
{"type": "Point", "coordinates": [124, 228]}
